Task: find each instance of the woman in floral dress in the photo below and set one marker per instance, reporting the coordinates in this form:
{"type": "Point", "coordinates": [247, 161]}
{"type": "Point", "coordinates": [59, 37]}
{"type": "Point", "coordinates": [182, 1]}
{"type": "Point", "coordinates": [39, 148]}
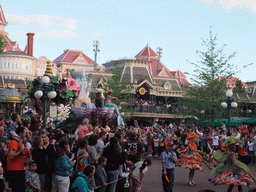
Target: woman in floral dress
{"type": "Point", "coordinates": [230, 171]}
{"type": "Point", "coordinates": [191, 159]}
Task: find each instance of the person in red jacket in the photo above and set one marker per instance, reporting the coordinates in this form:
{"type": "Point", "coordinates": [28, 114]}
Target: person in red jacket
{"type": "Point", "coordinates": [16, 161]}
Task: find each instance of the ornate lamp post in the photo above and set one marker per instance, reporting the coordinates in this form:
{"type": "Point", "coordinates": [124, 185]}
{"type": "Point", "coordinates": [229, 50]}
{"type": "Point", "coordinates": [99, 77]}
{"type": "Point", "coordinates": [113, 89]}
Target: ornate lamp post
{"type": "Point", "coordinates": [228, 103]}
{"type": "Point", "coordinates": [45, 91]}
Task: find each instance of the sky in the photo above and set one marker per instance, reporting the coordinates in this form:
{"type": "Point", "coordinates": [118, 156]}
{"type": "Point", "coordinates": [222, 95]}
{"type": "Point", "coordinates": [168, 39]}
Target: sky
{"type": "Point", "coordinates": [124, 27]}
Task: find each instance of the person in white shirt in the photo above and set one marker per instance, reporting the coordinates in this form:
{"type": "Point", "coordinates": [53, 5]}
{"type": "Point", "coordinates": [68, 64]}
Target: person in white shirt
{"type": "Point", "coordinates": [250, 145]}
{"type": "Point", "coordinates": [141, 167]}
{"type": "Point", "coordinates": [215, 140]}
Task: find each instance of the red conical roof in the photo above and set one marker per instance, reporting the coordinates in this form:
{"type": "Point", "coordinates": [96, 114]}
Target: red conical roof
{"type": "Point", "coordinates": [146, 52]}
{"type": "Point", "coordinates": [2, 17]}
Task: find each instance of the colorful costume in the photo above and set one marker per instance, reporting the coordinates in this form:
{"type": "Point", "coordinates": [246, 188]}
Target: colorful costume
{"type": "Point", "coordinates": [191, 159]}
{"type": "Point", "coordinates": [227, 172]}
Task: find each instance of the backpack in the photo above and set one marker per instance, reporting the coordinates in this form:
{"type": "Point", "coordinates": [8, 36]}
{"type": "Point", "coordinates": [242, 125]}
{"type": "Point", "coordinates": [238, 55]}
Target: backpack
{"type": "Point", "coordinates": [72, 180]}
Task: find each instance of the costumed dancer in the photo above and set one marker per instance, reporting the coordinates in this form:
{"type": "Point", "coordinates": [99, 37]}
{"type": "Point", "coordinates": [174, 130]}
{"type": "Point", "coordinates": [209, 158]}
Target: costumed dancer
{"type": "Point", "coordinates": [109, 104]}
{"type": "Point", "coordinates": [99, 101]}
{"type": "Point", "coordinates": [230, 171]}
{"type": "Point", "coordinates": [191, 159]}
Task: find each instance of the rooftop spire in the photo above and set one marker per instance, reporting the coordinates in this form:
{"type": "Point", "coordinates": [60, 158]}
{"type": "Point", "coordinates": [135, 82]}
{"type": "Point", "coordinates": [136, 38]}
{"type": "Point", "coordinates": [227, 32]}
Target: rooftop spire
{"type": "Point", "coordinates": [3, 21]}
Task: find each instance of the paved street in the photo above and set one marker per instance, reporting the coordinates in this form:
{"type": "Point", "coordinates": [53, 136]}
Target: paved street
{"type": "Point", "coordinates": [152, 180]}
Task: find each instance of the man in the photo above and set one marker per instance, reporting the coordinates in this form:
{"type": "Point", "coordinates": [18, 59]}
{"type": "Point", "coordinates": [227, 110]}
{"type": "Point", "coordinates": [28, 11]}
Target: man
{"type": "Point", "coordinates": [16, 161]}
{"type": "Point", "coordinates": [134, 147]}
{"type": "Point", "coordinates": [114, 159]}
{"type": "Point", "coordinates": [99, 96]}
{"type": "Point", "coordinates": [16, 120]}
{"type": "Point", "coordinates": [223, 126]}
{"type": "Point", "coordinates": [169, 158]}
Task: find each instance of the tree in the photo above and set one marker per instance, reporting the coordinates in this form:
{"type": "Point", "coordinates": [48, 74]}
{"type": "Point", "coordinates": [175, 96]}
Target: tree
{"type": "Point", "coordinates": [203, 98]}
{"type": "Point", "coordinates": [239, 87]}
{"type": "Point", "coordinates": [121, 88]}
{"type": "Point", "coordinates": [2, 44]}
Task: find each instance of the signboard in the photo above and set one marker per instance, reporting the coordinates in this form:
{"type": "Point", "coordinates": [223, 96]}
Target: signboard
{"type": "Point", "coordinates": [53, 110]}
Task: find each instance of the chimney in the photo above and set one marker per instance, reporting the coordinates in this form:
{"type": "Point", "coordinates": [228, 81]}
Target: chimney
{"type": "Point", "coordinates": [30, 43]}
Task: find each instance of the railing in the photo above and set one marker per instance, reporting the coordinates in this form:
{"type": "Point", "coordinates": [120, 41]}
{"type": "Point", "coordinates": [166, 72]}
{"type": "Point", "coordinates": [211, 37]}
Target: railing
{"type": "Point", "coordinates": [156, 109]}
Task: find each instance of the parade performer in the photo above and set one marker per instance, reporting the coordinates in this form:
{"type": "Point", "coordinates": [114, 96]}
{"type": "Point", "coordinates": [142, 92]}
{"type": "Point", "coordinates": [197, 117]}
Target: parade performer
{"type": "Point", "coordinates": [109, 104]}
{"type": "Point", "coordinates": [191, 159]}
{"type": "Point", "coordinates": [99, 101]}
{"type": "Point", "coordinates": [230, 171]}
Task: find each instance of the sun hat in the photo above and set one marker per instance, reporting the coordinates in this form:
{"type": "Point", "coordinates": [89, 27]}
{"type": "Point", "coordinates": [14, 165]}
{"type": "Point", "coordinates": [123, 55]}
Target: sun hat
{"type": "Point", "coordinates": [192, 135]}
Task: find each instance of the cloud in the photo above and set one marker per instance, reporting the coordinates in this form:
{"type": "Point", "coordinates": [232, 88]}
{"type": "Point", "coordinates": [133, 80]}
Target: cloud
{"type": "Point", "coordinates": [229, 4]}
{"type": "Point", "coordinates": [46, 25]}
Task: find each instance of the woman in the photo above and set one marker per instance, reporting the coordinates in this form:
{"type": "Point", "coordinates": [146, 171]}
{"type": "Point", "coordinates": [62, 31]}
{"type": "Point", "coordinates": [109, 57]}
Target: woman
{"type": "Point", "coordinates": [109, 104]}
{"type": "Point", "coordinates": [191, 159]}
{"type": "Point", "coordinates": [39, 155]}
{"type": "Point", "coordinates": [63, 166]}
{"type": "Point", "coordinates": [93, 154]}
{"type": "Point", "coordinates": [230, 171]}
{"type": "Point", "coordinates": [83, 129]}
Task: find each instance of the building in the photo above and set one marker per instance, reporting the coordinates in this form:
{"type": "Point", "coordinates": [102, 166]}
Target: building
{"type": "Point", "coordinates": [18, 66]}
{"type": "Point", "coordinates": [76, 59]}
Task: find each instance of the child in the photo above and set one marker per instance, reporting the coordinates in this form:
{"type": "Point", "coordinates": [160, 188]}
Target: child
{"type": "Point", "coordinates": [100, 175]}
{"type": "Point", "coordinates": [141, 167]}
{"type": "Point", "coordinates": [2, 186]}
{"type": "Point", "coordinates": [32, 178]}
{"type": "Point", "coordinates": [82, 155]}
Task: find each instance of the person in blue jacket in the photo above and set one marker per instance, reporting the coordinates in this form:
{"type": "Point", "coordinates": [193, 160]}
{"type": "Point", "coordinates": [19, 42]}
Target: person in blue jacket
{"type": "Point", "coordinates": [63, 166]}
{"type": "Point", "coordinates": [81, 183]}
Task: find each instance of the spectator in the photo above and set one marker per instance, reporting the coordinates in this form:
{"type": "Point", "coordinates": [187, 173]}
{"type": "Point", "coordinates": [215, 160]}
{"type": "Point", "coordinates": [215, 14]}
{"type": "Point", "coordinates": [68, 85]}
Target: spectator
{"type": "Point", "coordinates": [114, 160]}
{"type": "Point", "coordinates": [16, 161]}
{"type": "Point", "coordinates": [82, 155]}
{"type": "Point", "coordinates": [141, 167]}
{"type": "Point", "coordinates": [81, 183]}
{"type": "Point", "coordinates": [12, 129]}
{"type": "Point", "coordinates": [63, 166]}
{"type": "Point", "coordinates": [2, 185]}
{"type": "Point", "coordinates": [93, 154]}
{"type": "Point", "coordinates": [32, 178]}
{"type": "Point", "coordinates": [123, 173]}
{"type": "Point", "coordinates": [100, 143]}
{"type": "Point", "coordinates": [134, 147]}
{"type": "Point", "coordinates": [156, 145]}
{"type": "Point", "coordinates": [39, 155]}
{"type": "Point", "coordinates": [83, 129]}
{"type": "Point", "coordinates": [101, 175]}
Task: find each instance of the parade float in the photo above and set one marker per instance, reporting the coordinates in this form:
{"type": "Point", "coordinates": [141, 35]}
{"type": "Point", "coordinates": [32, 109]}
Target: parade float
{"type": "Point", "coordinates": [69, 93]}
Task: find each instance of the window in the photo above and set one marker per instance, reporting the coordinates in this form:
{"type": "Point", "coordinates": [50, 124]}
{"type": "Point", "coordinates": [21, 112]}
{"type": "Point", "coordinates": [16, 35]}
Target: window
{"type": "Point", "coordinates": [9, 65]}
{"type": "Point", "coordinates": [16, 65]}
{"type": "Point", "coordinates": [4, 65]}
{"type": "Point", "coordinates": [1, 65]}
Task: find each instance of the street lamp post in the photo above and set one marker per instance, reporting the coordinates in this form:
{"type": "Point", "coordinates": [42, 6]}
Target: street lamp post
{"type": "Point", "coordinates": [228, 103]}
{"type": "Point", "coordinates": [45, 91]}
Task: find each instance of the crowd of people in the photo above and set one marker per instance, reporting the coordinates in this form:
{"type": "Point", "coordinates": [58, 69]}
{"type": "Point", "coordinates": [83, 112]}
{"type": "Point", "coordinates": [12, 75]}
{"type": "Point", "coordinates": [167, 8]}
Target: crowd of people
{"type": "Point", "coordinates": [141, 105]}
{"type": "Point", "coordinates": [102, 159]}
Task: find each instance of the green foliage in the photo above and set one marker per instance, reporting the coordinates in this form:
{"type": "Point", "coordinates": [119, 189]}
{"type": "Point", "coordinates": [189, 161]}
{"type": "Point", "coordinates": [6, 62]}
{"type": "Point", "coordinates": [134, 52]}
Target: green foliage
{"type": "Point", "coordinates": [121, 88]}
{"type": "Point", "coordinates": [203, 98]}
{"type": "Point", "coordinates": [239, 87]}
{"type": "Point", "coordinates": [3, 44]}
{"type": "Point", "coordinates": [61, 96]}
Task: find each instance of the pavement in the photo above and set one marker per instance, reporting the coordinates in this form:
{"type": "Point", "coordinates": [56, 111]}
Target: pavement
{"type": "Point", "coordinates": [152, 180]}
